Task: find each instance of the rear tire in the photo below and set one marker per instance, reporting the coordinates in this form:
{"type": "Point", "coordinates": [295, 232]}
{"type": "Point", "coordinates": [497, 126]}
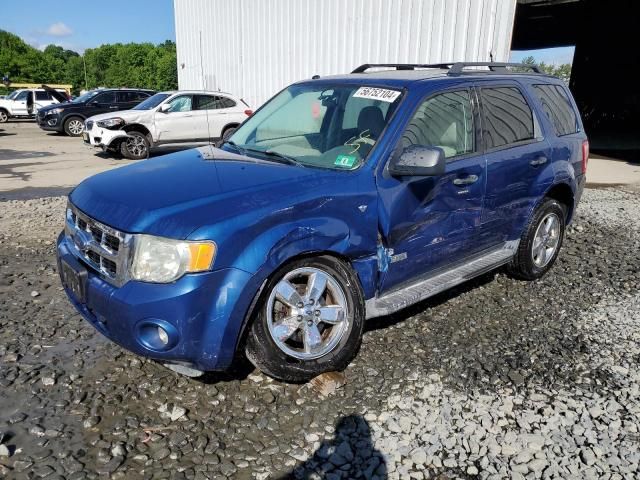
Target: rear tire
{"type": "Point", "coordinates": [136, 146]}
{"type": "Point", "coordinates": [4, 116]}
{"type": "Point", "coordinates": [73, 126]}
{"type": "Point", "coordinates": [228, 132]}
{"type": "Point", "coordinates": [541, 241]}
{"type": "Point", "coordinates": [315, 330]}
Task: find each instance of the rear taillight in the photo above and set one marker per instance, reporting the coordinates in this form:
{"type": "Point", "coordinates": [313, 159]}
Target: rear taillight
{"type": "Point", "coordinates": [248, 112]}
{"type": "Point", "coordinates": [585, 155]}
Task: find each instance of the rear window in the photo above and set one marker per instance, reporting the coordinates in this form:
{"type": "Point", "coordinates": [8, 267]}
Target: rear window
{"type": "Point", "coordinates": [43, 95]}
{"type": "Point", "coordinates": [557, 106]}
{"type": "Point", "coordinates": [507, 117]}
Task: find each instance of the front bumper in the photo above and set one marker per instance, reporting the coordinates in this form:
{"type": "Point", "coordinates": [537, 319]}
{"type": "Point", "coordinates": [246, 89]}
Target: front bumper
{"type": "Point", "coordinates": [202, 313]}
{"type": "Point", "coordinates": [101, 137]}
{"type": "Point", "coordinates": [50, 122]}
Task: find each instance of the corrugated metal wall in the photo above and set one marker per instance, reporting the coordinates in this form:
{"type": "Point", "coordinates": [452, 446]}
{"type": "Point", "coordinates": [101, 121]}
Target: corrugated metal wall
{"type": "Point", "coordinates": [254, 48]}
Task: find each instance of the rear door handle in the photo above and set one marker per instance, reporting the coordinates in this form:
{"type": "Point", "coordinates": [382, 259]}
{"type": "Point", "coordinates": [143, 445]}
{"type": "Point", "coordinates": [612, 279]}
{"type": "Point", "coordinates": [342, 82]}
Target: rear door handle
{"type": "Point", "coordinates": [461, 182]}
{"type": "Point", "coordinates": [538, 161]}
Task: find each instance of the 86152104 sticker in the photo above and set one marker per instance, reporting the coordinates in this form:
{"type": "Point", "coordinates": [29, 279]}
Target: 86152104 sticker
{"type": "Point", "coordinates": [373, 93]}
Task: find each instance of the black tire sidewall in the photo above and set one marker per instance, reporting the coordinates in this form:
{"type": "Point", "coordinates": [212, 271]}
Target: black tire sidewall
{"type": "Point", "coordinates": [66, 126]}
{"type": "Point", "coordinates": [526, 268]}
{"type": "Point", "coordinates": [6, 117]}
{"type": "Point", "coordinates": [125, 151]}
{"type": "Point", "coordinates": [265, 354]}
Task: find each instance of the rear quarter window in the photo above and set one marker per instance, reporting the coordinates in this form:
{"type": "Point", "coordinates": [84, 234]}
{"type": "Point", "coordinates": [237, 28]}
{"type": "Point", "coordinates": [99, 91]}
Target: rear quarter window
{"type": "Point", "coordinates": [557, 107]}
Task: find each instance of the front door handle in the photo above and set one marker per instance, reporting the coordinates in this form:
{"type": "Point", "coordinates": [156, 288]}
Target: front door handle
{"type": "Point", "coordinates": [538, 161]}
{"type": "Point", "coordinates": [461, 182]}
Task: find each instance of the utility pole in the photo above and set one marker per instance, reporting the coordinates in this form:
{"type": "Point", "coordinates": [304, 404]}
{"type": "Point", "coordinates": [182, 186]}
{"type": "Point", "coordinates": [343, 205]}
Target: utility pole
{"type": "Point", "coordinates": [84, 62]}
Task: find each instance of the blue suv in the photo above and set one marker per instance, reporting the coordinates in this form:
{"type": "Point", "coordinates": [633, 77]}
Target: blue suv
{"type": "Point", "coordinates": [343, 198]}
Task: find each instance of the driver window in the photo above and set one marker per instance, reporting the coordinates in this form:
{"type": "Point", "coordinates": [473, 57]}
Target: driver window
{"type": "Point", "coordinates": [180, 104]}
{"type": "Point", "coordinates": [22, 96]}
{"type": "Point", "coordinates": [444, 121]}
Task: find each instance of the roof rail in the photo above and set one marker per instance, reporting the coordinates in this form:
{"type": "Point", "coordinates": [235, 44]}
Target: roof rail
{"type": "Point", "coordinates": [454, 68]}
{"type": "Point", "coordinates": [401, 66]}
{"type": "Point", "coordinates": [494, 67]}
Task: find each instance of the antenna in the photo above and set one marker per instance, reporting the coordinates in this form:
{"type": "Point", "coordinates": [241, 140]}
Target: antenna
{"type": "Point", "coordinates": [204, 84]}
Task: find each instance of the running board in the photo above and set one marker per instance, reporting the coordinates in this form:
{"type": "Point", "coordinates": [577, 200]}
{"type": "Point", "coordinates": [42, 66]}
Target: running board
{"type": "Point", "coordinates": [439, 282]}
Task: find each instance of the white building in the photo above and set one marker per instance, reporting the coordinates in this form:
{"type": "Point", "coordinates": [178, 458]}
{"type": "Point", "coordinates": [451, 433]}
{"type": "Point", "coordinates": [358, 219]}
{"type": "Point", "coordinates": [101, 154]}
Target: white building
{"type": "Point", "coordinates": [254, 48]}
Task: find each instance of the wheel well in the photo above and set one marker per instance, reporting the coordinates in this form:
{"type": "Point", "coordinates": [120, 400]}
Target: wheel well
{"type": "Point", "coordinates": [4, 110]}
{"type": "Point", "coordinates": [251, 311]}
{"type": "Point", "coordinates": [228, 126]}
{"type": "Point", "coordinates": [136, 127]}
{"type": "Point", "coordinates": [69, 117]}
{"type": "Point", "coordinates": [563, 194]}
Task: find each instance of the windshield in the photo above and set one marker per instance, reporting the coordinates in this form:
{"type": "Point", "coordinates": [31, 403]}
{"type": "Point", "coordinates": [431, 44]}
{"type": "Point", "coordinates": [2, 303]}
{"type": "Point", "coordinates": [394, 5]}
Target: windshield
{"type": "Point", "coordinates": [318, 125]}
{"type": "Point", "coordinates": [85, 97]}
{"type": "Point", "coordinates": [152, 102]}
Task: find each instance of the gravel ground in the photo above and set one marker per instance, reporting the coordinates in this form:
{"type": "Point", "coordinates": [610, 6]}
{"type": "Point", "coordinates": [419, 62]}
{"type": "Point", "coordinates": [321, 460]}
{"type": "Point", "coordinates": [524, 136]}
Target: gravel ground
{"type": "Point", "coordinates": [497, 378]}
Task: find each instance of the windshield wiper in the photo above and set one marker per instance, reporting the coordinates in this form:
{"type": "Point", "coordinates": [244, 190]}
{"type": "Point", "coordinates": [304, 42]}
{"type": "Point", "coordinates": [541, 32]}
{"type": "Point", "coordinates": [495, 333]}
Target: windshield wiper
{"type": "Point", "coordinates": [275, 155]}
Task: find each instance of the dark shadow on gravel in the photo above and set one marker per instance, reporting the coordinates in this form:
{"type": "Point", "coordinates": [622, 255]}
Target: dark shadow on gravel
{"type": "Point", "coordinates": [30, 193]}
{"type": "Point", "coordinates": [10, 154]}
{"type": "Point", "coordinates": [4, 134]}
{"type": "Point", "coordinates": [350, 452]}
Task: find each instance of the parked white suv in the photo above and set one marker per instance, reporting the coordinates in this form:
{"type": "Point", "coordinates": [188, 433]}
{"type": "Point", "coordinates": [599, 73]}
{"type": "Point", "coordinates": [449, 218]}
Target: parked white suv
{"type": "Point", "coordinates": [167, 118]}
{"type": "Point", "coordinates": [26, 102]}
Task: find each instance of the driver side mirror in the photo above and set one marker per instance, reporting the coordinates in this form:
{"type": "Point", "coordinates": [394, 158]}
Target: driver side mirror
{"type": "Point", "coordinates": [417, 160]}
{"type": "Point", "coordinates": [164, 108]}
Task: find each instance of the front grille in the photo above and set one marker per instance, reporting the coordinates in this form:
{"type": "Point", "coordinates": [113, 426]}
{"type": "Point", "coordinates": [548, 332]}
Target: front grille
{"type": "Point", "coordinates": [88, 125]}
{"type": "Point", "coordinates": [102, 248]}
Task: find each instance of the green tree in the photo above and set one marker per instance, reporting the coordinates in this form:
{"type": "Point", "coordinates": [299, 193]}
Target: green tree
{"type": "Point", "coordinates": [142, 65]}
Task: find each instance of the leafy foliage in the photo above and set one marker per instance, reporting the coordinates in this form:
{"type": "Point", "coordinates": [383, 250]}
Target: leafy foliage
{"type": "Point", "coordinates": [141, 65]}
{"type": "Point", "coordinates": [561, 71]}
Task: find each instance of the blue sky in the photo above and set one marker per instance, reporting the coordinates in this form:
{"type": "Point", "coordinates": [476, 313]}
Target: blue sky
{"type": "Point", "coordinates": [81, 25]}
{"type": "Point", "coordinates": [556, 56]}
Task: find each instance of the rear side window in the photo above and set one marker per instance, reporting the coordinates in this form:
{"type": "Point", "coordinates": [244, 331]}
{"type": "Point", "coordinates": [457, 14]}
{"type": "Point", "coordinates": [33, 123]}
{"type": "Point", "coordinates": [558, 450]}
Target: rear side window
{"type": "Point", "coordinates": [507, 117]}
{"type": "Point", "coordinates": [445, 121]}
{"type": "Point", "coordinates": [225, 102]}
{"type": "Point", "coordinates": [43, 95]}
{"type": "Point", "coordinates": [557, 106]}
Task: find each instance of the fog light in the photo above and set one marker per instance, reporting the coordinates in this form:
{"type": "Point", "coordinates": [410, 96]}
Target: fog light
{"type": "Point", "coordinates": [163, 336]}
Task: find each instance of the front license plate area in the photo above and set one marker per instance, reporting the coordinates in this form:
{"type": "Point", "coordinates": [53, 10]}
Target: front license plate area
{"type": "Point", "coordinates": [74, 277]}
{"type": "Point", "coordinates": [85, 137]}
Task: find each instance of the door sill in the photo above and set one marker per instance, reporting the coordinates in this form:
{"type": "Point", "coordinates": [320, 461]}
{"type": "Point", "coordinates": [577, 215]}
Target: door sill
{"type": "Point", "coordinates": [438, 282]}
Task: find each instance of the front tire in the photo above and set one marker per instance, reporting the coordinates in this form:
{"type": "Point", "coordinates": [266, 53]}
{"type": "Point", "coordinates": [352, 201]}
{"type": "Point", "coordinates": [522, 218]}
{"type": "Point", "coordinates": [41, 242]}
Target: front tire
{"type": "Point", "coordinates": [541, 241]}
{"type": "Point", "coordinates": [135, 146]}
{"type": "Point", "coordinates": [310, 320]}
{"type": "Point", "coordinates": [4, 116]}
{"type": "Point", "coordinates": [73, 126]}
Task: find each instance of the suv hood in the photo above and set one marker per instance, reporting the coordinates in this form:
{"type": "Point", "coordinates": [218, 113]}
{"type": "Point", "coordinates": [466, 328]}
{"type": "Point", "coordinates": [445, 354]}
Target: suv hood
{"type": "Point", "coordinates": [128, 116]}
{"type": "Point", "coordinates": [176, 194]}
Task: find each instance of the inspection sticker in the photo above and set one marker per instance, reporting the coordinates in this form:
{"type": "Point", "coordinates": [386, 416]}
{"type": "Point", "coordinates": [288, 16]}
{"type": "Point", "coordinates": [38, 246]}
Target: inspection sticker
{"type": "Point", "coordinates": [345, 161]}
{"type": "Point", "coordinates": [377, 94]}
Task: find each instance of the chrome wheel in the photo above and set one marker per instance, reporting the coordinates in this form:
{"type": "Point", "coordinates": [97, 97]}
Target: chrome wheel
{"type": "Point", "coordinates": [136, 145]}
{"type": "Point", "coordinates": [307, 313]}
{"type": "Point", "coordinates": [75, 127]}
{"type": "Point", "coordinates": [546, 240]}
{"type": "Point", "coordinates": [3, 116]}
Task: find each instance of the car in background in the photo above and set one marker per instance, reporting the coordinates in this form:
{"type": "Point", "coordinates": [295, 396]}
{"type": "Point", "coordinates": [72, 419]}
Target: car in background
{"type": "Point", "coordinates": [69, 117]}
{"type": "Point", "coordinates": [167, 118]}
{"type": "Point", "coordinates": [27, 101]}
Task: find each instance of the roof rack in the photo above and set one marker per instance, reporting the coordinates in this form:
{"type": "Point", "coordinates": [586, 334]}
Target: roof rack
{"type": "Point", "coordinates": [454, 68]}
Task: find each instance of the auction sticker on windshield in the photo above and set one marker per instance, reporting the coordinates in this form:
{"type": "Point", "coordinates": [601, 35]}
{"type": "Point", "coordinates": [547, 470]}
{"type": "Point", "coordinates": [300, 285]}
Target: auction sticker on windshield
{"type": "Point", "coordinates": [373, 93]}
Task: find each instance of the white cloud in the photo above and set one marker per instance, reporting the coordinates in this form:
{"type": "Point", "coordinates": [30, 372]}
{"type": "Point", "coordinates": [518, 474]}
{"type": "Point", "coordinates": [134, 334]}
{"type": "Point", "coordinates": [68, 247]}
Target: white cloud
{"type": "Point", "coordinates": [59, 29]}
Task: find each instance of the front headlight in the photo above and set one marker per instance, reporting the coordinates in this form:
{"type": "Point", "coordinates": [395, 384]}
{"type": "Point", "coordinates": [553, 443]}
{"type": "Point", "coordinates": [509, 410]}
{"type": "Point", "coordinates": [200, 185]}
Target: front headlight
{"type": "Point", "coordinates": [162, 260]}
{"type": "Point", "coordinates": [55, 111]}
{"type": "Point", "coordinates": [111, 123]}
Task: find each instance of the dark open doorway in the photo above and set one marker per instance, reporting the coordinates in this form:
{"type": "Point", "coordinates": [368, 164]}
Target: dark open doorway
{"type": "Point", "coordinates": [606, 61]}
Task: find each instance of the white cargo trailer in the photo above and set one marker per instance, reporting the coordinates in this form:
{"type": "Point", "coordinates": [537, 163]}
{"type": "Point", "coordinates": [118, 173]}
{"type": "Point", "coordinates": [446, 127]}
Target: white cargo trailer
{"type": "Point", "coordinates": [254, 48]}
